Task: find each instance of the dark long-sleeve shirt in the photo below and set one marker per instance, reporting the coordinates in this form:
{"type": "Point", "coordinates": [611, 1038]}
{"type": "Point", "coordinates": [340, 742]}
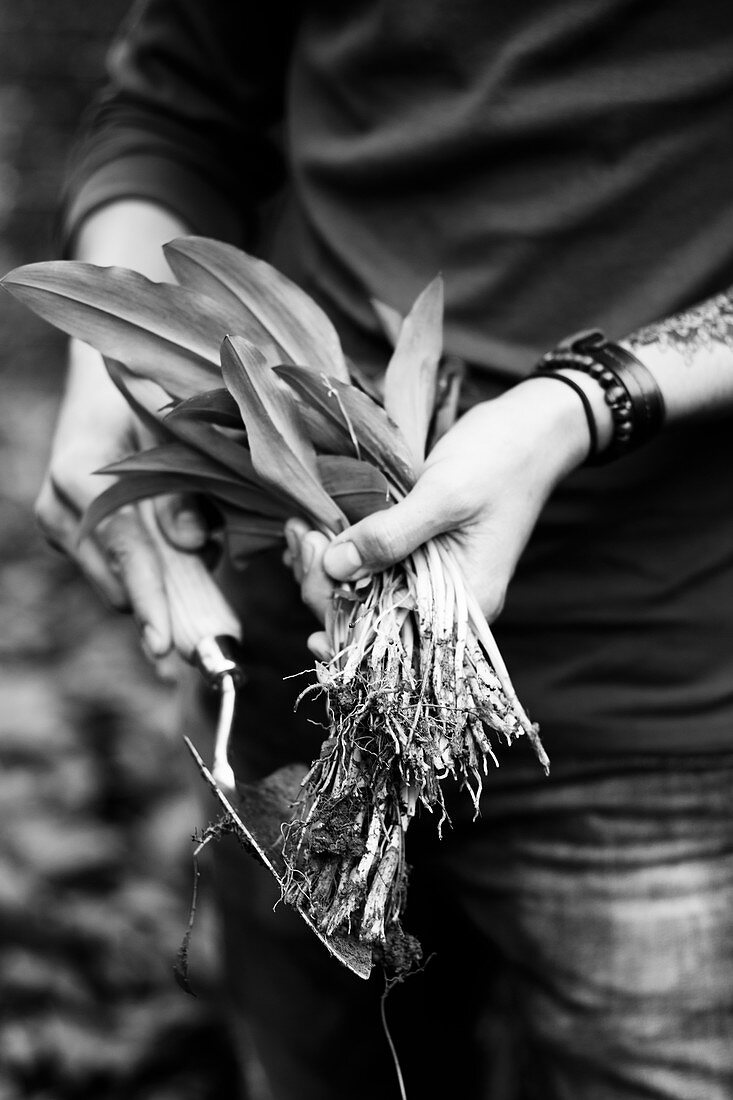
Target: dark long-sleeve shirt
{"type": "Point", "coordinates": [564, 164]}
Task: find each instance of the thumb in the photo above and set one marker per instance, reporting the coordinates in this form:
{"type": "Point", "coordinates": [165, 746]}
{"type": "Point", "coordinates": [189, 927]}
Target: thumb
{"type": "Point", "coordinates": [383, 538]}
{"type": "Point", "coordinates": [181, 522]}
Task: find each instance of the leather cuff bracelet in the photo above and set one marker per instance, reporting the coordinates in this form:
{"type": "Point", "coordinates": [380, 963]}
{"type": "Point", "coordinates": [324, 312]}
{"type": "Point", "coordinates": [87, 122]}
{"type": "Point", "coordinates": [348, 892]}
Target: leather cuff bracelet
{"type": "Point", "coordinates": [630, 389]}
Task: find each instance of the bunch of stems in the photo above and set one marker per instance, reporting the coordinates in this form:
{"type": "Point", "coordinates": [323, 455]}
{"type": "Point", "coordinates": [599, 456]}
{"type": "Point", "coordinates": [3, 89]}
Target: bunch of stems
{"type": "Point", "coordinates": [416, 693]}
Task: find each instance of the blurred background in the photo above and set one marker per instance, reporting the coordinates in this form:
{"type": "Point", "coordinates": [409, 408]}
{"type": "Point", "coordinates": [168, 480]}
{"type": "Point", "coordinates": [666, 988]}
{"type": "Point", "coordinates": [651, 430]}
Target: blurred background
{"type": "Point", "coordinates": [96, 813]}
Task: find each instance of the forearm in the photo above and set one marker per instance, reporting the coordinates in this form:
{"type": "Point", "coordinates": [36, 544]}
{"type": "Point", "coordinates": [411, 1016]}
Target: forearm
{"type": "Point", "coordinates": [128, 233]}
{"type": "Point", "coordinates": [185, 118]}
{"type": "Point", "coordinates": [691, 358]}
{"type": "Point", "coordinates": [95, 427]}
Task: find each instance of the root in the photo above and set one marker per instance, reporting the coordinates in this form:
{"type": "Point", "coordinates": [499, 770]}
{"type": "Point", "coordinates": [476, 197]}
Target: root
{"type": "Point", "coordinates": [416, 693]}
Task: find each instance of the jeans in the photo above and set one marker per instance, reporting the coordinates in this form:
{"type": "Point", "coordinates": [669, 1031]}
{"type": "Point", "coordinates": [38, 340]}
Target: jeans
{"type": "Point", "coordinates": [579, 933]}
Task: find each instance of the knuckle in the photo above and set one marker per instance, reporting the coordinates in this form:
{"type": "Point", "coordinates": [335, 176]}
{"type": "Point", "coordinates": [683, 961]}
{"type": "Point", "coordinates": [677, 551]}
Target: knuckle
{"type": "Point", "coordinates": [45, 517]}
{"type": "Point", "coordinates": [446, 494]}
{"type": "Point", "coordinates": [121, 543]}
{"type": "Point", "coordinates": [119, 555]}
{"type": "Point", "coordinates": [381, 540]}
{"type": "Point", "coordinates": [50, 517]}
{"type": "Point", "coordinates": [63, 475]}
{"type": "Point", "coordinates": [456, 508]}
{"type": "Point", "coordinates": [167, 508]}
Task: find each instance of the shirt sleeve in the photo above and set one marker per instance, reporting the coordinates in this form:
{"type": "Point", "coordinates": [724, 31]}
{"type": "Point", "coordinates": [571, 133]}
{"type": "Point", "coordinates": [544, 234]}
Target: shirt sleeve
{"type": "Point", "coordinates": [189, 116]}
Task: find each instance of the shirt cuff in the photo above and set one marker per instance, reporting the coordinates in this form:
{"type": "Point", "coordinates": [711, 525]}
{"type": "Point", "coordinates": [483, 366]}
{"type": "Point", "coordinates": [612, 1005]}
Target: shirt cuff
{"type": "Point", "coordinates": [202, 207]}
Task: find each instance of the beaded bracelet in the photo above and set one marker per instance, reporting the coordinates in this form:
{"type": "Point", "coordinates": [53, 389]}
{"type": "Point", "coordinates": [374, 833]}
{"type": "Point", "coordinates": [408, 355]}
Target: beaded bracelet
{"type": "Point", "coordinates": [629, 388]}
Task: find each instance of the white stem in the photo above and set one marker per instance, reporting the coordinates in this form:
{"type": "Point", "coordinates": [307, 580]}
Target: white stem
{"type": "Point", "coordinates": [460, 614]}
{"type": "Point", "coordinates": [484, 635]}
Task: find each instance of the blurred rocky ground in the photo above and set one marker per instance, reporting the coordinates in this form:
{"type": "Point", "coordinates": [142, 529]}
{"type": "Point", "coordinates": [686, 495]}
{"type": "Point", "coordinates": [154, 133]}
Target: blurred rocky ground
{"type": "Point", "coordinates": [96, 813]}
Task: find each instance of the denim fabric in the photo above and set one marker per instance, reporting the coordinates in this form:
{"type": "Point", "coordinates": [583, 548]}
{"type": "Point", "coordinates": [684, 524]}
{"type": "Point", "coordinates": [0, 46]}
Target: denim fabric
{"type": "Point", "coordinates": [580, 931]}
{"type": "Point", "coordinates": [609, 890]}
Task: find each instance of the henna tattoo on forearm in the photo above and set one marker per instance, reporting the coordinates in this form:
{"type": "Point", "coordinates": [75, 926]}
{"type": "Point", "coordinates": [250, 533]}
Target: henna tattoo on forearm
{"type": "Point", "coordinates": [692, 331]}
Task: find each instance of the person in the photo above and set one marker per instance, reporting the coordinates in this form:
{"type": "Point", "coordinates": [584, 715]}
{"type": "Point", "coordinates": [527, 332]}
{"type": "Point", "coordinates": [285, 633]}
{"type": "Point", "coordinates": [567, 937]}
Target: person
{"type": "Point", "coordinates": [566, 167]}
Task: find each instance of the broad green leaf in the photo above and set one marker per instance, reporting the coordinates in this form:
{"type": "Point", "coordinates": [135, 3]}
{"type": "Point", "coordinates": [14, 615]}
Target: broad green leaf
{"type": "Point", "coordinates": [171, 458]}
{"type": "Point", "coordinates": [295, 322]}
{"type": "Point", "coordinates": [410, 381]}
{"type": "Point", "coordinates": [339, 473]}
{"type": "Point", "coordinates": [358, 487]}
{"type": "Point", "coordinates": [451, 374]}
{"type": "Point", "coordinates": [248, 534]}
{"type": "Point", "coordinates": [365, 429]}
{"type": "Point", "coordinates": [128, 490]}
{"type": "Point", "coordinates": [247, 377]}
{"type": "Point", "coordinates": [282, 454]}
{"type": "Point", "coordinates": [139, 486]}
{"type": "Point", "coordinates": [167, 333]}
{"type": "Point", "coordinates": [215, 406]}
{"type": "Point", "coordinates": [201, 474]}
{"type": "Point", "coordinates": [326, 436]}
{"type": "Point", "coordinates": [372, 387]}
{"type": "Point", "coordinates": [210, 441]}
{"type": "Point", "coordinates": [358, 504]}
{"type": "Point", "coordinates": [145, 398]}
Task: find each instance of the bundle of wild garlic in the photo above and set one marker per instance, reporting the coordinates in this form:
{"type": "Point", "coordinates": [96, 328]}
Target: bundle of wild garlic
{"type": "Point", "coordinates": [416, 690]}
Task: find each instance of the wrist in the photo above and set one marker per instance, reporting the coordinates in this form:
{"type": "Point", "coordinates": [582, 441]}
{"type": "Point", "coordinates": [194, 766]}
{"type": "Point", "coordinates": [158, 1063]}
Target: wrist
{"type": "Point", "coordinates": [129, 233]}
{"type": "Point", "coordinates": [630, 390]}
{"type": "Point", "coordinates": [556, 422]}
{"type": "Point", "coordinates": [600, 411]}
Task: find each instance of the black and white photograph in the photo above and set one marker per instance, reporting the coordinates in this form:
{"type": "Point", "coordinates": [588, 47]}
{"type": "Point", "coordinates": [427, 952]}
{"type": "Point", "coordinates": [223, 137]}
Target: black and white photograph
{"type": "Point", "coordinates": [366, 550]}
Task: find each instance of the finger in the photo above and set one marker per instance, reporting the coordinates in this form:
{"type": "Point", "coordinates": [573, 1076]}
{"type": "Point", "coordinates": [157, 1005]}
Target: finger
{"type": "Point", "coordinates": [133, 559]}
{"type": "Point", "coordinates": [168, 668]}
{"type": "Point", "coordinates": [318, 645]}
{"type": "Point", "coordinates": [385, 537]}
{"type": "Point", "coordinates": [181, 521]}
{"type": "Point", "coordinates": [296, 531]}
{"type": "Point", "coordinates": [95, 568]}
{"type": "Point", "coordinates": [316, 587]}
{"type": "Point", "coordinates": [59, 524]}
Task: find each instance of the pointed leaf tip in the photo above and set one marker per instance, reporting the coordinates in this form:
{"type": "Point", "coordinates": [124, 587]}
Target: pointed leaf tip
{"type": "Point", "coordinates": [410, 381]}
{"type": "Point", "coordinates": [358, 422]}
{"type": "Point", "coordinates": [282, 453]}
{"type": "Point", "coordinates": [167, 333]}
{"type": "Point", "coordinates": [268, 301]}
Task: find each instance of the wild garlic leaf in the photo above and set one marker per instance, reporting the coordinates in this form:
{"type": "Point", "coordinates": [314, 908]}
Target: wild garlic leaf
{"type": "Point", "coordinates": [364, 427]}
{"type": "Point", "coordinates": [228, 450]}
{"type": "Point", "coordinates": [410, 381]}
{"type": "Point", "coordinates": [293, 320]}
{"type": "Point", "coordinates": [282, 453]}
{"type": "Point", "coordinates": [451, 376]}
{"type": "Point", "coordinates": [214, 406]}
{"type": "Point", "coordinates": [146, 399]}
{"type": "Point", "coordinates": [249, 534]}
{"type": "Point", "coordinates": [358, 487]}
{"type": "Point", "coordinates": [160, 331]}
{"type": "Point", "coordinates": [172, 458]}
{"type": "Point", "coordinates": [133, 487]}
{"type": "Point", "coordinates": [181, 460]}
